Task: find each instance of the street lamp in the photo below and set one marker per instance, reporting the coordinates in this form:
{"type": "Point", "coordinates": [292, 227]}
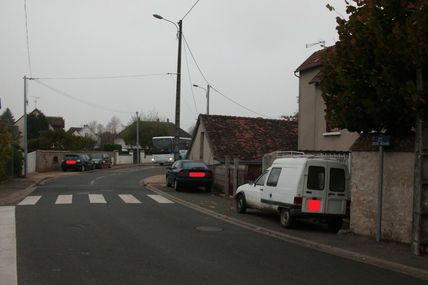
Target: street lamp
{"type": "Point", "coordinates": [178, 87]}
{"type": "Point", "coordinates": [207, 95]}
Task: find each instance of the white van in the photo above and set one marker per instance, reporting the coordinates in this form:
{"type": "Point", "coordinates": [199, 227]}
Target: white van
{"type": "Point", "coordinates": [300, 187]}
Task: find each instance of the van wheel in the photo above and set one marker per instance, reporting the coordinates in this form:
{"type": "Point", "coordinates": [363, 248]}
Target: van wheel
{"type": "Point", "coordinates": [335, 225]}
{"type": "Point", "coordinates": [285, 218]}
{"type": "Point", "coordinates": [241, 204]}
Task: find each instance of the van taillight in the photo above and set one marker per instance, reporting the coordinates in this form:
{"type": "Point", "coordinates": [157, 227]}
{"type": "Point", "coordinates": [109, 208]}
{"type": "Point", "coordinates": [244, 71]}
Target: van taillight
{"type": "Point", "coordinates": [298, 202]}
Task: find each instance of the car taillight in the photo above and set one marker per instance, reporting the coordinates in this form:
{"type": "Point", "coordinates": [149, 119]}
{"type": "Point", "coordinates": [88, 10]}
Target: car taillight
{"type": "Point", "coordinates": [70, 162]}
{"type": "Point", "coordinates": [181, 174]}
{"type": "Point", "coordinates": [297, 203]}
{"type": "Point", "coordinates": [196, 174]}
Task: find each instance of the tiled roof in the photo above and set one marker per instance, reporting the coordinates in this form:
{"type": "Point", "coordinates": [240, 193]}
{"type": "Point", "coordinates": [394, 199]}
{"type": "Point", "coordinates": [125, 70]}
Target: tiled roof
{"type": "Point", "coordinates": [74, 129]}
{"type": "Point", "coordinates": [248, 138]}
{"type": "Point", "coordinates": [314, 60]}
{"type": "Point", "coordinates": [56, 122]}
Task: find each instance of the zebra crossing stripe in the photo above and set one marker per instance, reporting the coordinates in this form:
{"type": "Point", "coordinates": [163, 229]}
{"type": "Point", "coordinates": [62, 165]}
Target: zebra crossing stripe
{"type": "Point", "coordinates": [30, 200]}
{"type": "Point", "coordinates": [97, 199]}
{"type": "Point", "coordinates": [64, 199]}
{"type": "Point", "coordinates": [129, 199]}
{"type": "Point", "coordinates": [160, 199]}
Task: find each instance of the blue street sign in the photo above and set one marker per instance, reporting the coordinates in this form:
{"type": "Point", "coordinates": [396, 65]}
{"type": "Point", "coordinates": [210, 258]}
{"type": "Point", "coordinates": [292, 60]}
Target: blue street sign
{"type": "Point", "coordinates": [381, 140]}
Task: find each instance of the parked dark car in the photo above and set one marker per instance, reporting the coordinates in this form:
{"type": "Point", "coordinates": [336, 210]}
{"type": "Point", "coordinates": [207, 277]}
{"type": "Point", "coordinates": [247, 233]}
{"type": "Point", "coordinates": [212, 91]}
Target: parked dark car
{"type": "Point", "coordinates": [101, 160]}
{"type": "Point", "coordinates": [76, 161]}
{"type": "Point", "coordinates": [189, 173]}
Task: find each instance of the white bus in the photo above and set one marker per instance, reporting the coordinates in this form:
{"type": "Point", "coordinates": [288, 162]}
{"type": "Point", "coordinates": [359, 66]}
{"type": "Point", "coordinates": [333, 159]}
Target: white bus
{"type": "Point", "coordinates": [163, 149]}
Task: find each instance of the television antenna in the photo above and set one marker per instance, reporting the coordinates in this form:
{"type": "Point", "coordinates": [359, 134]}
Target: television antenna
{"type": "Point", "coordinates": [36, 99]}
{"type": "Point", "coordinates": [320, 42]}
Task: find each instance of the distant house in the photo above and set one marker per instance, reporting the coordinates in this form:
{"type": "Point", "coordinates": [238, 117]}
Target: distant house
{"type": "Point", "coordinates": [315, 133]}
{"type": "Point", "coordinates": [85, 132]}
{"type": "Point", "coordinates": [55, 123]}
{"type": "Point", "coordinates": [247, 139]}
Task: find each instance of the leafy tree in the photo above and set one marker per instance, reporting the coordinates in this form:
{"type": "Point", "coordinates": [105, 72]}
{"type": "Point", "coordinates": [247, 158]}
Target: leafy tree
{"type": "Point", "coordinates": [35, 124]}
{"type": "Point", "coordinates": [5, 149]}
{"type": "Point", "coordinates": [7, 117]}
{"type": "Point", "coordinates": [369, 78]}
{"type": "Point", "coordinates": [60, 140]}
{"type": "Point", "coordinates": [147, 130]}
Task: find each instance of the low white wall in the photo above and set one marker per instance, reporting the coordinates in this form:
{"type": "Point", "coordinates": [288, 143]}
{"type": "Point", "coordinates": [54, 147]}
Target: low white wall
{"type": "Point", "coordinates": [124, 159]}
{"type": "Point", "coordinates": [31, 162]}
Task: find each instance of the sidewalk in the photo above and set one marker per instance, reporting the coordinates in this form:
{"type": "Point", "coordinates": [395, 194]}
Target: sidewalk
{"type": "Point", "coordinates": [389, 255]}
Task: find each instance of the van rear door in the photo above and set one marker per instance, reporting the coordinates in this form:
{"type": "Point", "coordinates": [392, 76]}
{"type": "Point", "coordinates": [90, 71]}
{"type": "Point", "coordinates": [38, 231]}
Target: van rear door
{"type": "Point", "coordinates": [314, 188]}
{"type": "Point", "coordinates": [336, 189]}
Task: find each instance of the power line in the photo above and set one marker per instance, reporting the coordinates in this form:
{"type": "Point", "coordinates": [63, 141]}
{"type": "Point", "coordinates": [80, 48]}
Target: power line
{"type": "Point", "coordinates": [242, 106]}
{"type": "Point", "coordinates": [194, 60]}
{"type": "Point", "coordinates": [206, 80]}
{"type": "Point", "coordinates": [190, 80]}
{"type": "Point", "coordinates": [28, 40]}
{"type": "Point", "coordinates": [79, 100]}
{"type": "Point", "coordinates": [190, 10]}
{"type": "Point", "coordinates": [107, 77]}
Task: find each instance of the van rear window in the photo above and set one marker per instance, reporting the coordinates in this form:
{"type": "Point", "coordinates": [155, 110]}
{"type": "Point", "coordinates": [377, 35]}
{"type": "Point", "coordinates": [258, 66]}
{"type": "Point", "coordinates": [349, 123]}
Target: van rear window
{"type": "Point", "coordinates": [337, 180]}
{"type": "Point", "coordinates": [273, 177]}
{"type": "Point", "coordinates": [316, 178]}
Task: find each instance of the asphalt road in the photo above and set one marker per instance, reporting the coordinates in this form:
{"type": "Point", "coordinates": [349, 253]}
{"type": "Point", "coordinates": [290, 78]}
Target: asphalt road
{"type": "Point", "coordinates": [129, 237]}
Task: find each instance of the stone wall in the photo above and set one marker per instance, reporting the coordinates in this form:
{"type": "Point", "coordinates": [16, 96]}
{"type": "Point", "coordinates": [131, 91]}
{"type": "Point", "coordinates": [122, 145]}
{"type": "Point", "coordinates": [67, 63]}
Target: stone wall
{"type": "Point", "coordinates": [397, 210]}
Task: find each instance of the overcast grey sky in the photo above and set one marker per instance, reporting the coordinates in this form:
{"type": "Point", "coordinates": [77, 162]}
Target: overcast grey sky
{"type": "Point", "coordinates": [247, 49]}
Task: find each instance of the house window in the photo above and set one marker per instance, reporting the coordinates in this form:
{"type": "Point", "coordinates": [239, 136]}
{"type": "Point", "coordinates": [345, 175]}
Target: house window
{"type": "Point", "coordinates": [329, 126]}
{"type": "Point", "coordinates": [201, 147]}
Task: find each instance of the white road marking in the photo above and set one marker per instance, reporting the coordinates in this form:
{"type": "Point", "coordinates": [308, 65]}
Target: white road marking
{"type": "Point", "coordinates": [8, 272]}
{"type": "Point", "coordinates": [96, 199]}
{"type": "Point", "coordinates": [129, 199]}
{"type": "Point", "coordinates": [30, 200]}
{"type": "Point", "coordinates": [160, 199]}
{"type": "Point", "coordinates": [64, 199]}
{"type": "Point", "coordinates": [93, 181]}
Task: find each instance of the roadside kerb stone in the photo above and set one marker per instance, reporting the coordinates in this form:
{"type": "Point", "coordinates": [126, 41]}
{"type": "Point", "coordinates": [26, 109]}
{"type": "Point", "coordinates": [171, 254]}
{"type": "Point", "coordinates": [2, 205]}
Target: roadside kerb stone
{"type": "Point", "coordinates": [159, 180]}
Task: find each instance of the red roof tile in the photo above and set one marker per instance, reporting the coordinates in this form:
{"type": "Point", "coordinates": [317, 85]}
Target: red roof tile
{"type": "Point", "coordinates": [248, 138]}
{"type": "Point", "coordinates": [314, 60]}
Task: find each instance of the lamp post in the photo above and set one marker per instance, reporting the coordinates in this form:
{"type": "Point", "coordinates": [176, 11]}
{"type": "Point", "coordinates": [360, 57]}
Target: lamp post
{"type": "Point", "coordinates": [178, 87]}
{"type": "Point", "coordinates": [207, 95]}
{"type": "Point", "coordinates": [138, 139]}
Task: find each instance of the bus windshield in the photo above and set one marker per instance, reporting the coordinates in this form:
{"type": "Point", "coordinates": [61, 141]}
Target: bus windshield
{"type": "Point", "coordinates": [162, 146]}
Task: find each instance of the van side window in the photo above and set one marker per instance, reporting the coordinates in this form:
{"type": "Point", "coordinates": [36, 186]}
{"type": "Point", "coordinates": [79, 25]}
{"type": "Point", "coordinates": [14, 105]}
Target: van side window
{"type": "Point", "coordinates": [316, 178]}
{"type": "Point", "coordinates": [337, 180]}
{"type": "Point", "coordinates": [273, 177]}
{"type": "Point", "coordinates": [261, 180]}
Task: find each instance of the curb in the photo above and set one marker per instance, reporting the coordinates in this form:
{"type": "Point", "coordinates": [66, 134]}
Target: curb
{"type": "Point", "coordinates": [362, 258]}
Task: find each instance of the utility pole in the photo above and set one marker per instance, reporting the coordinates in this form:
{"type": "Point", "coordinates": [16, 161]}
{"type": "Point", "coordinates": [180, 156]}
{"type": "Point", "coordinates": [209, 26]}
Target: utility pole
{"type": "Point", "coordinates": [178, 92]}
{"type": "Point", "coordinates": [25, 128]}
{"type": "Point", "coordinates": [138, 139]}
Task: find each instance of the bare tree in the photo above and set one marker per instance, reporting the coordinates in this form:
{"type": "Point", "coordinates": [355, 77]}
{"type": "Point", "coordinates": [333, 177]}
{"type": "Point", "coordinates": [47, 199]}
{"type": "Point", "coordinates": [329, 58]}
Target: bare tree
{"type": "Point", "coordinates": [114, 125]}
{"type": "Point", "coordinates": [152, 116]}
{"type": "Point", "coordinates": [92, 125]}
{"type": "Point", "coordinates": [100, 129]}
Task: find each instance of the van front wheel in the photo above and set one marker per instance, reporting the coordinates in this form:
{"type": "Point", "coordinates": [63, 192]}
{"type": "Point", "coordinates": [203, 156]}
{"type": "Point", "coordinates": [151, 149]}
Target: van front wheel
{"type": "Point", "coordinates": [241, 204]}
{"type": "Point", "coordinates": [286, 219]}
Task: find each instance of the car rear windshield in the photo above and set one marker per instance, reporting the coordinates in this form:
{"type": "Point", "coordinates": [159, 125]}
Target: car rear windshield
{"type": "Point", "coordinates": [194, 164]}
{"type": "Point", "coordinates": [71, 156]}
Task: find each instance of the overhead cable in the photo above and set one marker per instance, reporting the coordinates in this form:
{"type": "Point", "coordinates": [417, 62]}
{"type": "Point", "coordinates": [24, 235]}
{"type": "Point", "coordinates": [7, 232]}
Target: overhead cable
{"type": "Point", "coordinates": [107, 77]}
{"type": "Point", "coordinates": [190, 80]}
{"type": "Point", "coordinates": [190, 9]}
{"type": "Point", "coordinates": [194, 60]}
{"type": "Point", "coordinates": [80, 100]}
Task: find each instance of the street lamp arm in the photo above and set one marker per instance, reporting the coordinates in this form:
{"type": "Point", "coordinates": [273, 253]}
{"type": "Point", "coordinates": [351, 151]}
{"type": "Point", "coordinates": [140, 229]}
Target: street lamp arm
{"type": "Point", "coordinates": [162, 18]}
{"type": "Point", "coordinates": [195, 85]}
